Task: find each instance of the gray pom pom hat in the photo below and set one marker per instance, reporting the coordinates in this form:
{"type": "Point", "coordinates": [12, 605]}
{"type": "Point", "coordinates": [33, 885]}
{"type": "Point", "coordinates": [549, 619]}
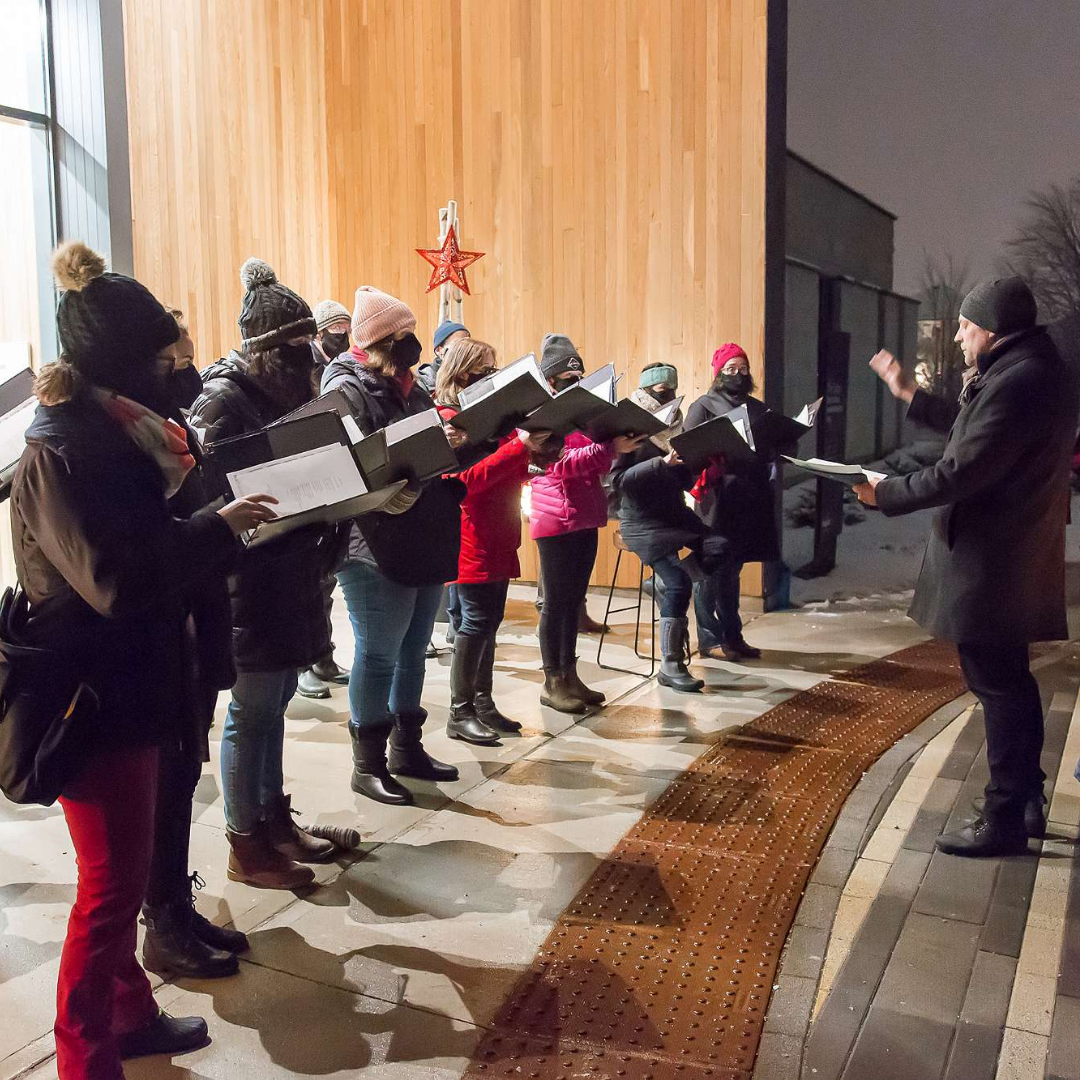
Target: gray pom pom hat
{"type": "Point", "coordinates": [270, 314]}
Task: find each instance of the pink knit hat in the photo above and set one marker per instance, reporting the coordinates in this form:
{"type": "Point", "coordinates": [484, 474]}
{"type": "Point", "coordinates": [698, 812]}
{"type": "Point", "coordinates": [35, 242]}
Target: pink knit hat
{"type": "Point", "coordinates": [377, 315]}
{"type": "Point", "coordinates": [720, 357]}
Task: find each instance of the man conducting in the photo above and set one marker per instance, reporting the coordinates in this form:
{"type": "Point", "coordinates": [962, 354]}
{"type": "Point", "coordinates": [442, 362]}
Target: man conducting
{"type": "Point", "coordinates": [993, 578]}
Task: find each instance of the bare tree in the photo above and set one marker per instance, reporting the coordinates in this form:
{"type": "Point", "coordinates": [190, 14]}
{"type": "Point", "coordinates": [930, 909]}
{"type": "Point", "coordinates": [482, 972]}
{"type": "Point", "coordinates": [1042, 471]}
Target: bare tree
{"type": "Point", "coordinates": [1046, 249]}
{"type": "Point", "coordinates": [945, 283]}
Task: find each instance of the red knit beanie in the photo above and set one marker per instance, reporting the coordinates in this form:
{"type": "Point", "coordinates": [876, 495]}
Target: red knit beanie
{"type": "Point", "coordinates": [726, 353]}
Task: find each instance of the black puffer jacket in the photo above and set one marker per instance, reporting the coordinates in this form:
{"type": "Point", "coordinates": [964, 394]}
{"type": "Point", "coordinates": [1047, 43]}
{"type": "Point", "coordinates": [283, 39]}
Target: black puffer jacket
{"type": "Point", "coordinates": [422, 545]}
{"type": "Point", "coordinates": [278, 616]}
{"type": "Point", "coordinates": [113, 577]}
{"type": "Point", "coordinates": [653, 516]}
{"type": "Point", "coordinates": [740, 507]}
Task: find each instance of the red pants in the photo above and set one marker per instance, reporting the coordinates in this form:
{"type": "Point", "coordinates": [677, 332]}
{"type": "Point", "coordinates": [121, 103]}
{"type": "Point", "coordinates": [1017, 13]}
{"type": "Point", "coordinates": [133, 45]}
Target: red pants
{"type": "Point", "coordinates": [102, 991]}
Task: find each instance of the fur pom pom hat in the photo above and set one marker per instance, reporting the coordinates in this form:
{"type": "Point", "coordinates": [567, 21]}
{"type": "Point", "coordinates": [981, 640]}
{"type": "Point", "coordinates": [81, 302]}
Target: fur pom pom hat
{"type": "Point", "coordinates": [105, 320]}
{"type": "Point", "coordinates": [270, 314]}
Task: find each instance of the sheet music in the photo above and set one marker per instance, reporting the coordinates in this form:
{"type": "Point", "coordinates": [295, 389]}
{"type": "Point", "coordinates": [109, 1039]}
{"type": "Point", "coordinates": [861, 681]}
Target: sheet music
{"type": "Point", "coordinates": [352, 429]}
{"type": "Point", "coordinates": [742, 426]}
{"type": "Point", "coordinates": [525, 367]}
{"type": "Point", "coordinates": [809, 413]}
{"type": "Point", "coordinates": [666, 415]}
{"type": "Point", "coordinates": [315, 478]}
{"type": "Point", "coordinates": [13, 432]}
{"type": "Point", "coordinates": [402, 429]}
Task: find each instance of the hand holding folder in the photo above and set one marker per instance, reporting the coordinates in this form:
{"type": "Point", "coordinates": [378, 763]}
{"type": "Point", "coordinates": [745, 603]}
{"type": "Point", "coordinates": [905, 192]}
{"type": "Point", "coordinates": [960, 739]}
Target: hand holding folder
{"type": "Point", "coordinates": [494, 406]}
{"type": "Point", "coordinates": [728, 436]}
{"type": "Point", "coordinates": [851, 475]}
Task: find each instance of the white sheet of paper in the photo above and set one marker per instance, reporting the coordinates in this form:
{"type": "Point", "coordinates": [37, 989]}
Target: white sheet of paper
{"type": "Point", "coordinates": [743, 428]}
{"type": "Point", "coordinates": [319, 477]}
{"type": "Point", "coordinates": [525, 368]}
{"type": "Point", "coordinates": [13, 431]}
{"type": "Point", "coordinates": [352, 429]}
{"type": "Point", "coordinates": [841, 469]}
{"type": "Point", "coordinates": [667, 414]}
{"type": "Point", "coordinates": [402, 429]}
{"type": "Point", "coordinates": [809, 413]}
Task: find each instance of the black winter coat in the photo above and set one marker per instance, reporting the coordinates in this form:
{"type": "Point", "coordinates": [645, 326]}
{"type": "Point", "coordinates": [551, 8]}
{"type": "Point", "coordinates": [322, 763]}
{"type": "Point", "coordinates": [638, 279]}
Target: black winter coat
{"type": "Point", "coordinates": [994, 570]}
{"type": "Point", "coordinates": [115, 581]}
{"type": "Point", "coordinates": [276, 592]}
{"type": "Point", "coordinates": [654, 519]}
{"type": "Point", "coordinates": [741, 506]}
{"type": "Point", "coordinates": [420, 546]}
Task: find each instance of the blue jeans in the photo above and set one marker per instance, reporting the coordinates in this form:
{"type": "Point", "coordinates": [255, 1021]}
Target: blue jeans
{"type": "Point", "coordinates": [678, 587]}
{"type": "Point", "coordinates": [716, 606]}
{"type": "Point", "coordinates": [252, 745]}
{"type": "Point", "coordinates": [392, 626]}
{"type": "Point", "coordinates": [453, 606]}
{"type": "Point", "coordinates": [482, 605]}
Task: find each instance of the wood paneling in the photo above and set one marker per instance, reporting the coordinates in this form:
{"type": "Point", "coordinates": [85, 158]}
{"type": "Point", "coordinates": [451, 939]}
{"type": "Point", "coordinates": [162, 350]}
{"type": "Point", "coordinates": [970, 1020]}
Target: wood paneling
{"type": "Point", "coordinates": [608, 155]}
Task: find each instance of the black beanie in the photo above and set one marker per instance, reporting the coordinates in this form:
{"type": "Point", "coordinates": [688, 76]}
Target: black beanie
{"type": "Point", "coordinates": [270, 313]}
{"type": "Point", "coordinates": [1001, 306]}
{"type": "Point", "coordinates": [557, 354]}
{"type": "Point", "coordinates": [106, 321]}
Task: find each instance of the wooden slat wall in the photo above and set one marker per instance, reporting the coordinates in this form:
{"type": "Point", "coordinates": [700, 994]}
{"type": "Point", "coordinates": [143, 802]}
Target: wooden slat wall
{"type": "Point", "coordinates": [608, 156]}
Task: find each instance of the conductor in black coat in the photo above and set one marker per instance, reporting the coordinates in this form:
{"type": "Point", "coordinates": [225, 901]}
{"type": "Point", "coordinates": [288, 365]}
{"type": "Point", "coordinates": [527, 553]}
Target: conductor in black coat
{"type": "Point", "coordinates": [993, 578]}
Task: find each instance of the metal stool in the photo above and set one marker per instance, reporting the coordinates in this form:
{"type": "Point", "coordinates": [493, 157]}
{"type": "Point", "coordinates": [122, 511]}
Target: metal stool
{"type": "Point", "coordinates": [620, 547]}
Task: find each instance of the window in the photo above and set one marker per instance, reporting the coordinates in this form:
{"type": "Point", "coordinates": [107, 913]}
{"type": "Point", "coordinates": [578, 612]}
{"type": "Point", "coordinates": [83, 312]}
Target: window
{"type": "Point", "coordinates": [27, 206]}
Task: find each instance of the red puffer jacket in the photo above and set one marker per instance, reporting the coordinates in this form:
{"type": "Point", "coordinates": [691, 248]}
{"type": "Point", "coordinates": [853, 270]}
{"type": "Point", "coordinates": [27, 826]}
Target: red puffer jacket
{"type": "Point", "coordinates": [570, 495]}
{"type": "Point", "coordinates": [491, 512]}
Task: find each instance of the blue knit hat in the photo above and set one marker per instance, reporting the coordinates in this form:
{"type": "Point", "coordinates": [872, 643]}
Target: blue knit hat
{"type": "Point", "coordinates": [446, 328]}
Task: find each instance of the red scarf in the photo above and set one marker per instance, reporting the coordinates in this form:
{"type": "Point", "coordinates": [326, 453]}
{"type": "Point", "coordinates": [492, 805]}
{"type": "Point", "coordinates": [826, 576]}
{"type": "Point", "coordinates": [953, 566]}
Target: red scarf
{"type": "Point", "coordinates": [162, 439]}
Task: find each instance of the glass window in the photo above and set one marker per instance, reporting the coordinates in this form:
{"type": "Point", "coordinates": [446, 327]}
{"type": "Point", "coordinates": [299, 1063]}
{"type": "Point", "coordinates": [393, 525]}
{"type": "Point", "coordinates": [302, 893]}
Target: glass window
{"type": "Point", "coordinates": [22, 55]}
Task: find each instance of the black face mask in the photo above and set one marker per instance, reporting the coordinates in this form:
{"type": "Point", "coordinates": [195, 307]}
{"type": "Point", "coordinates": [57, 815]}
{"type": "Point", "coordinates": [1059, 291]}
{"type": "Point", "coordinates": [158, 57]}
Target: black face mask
{"type": "Point", "coordinates": [664, 395]}
{"type": "Point", "coordinates": [405, 352]}
{"type": "Point", "coordinates": [737, 385]}
{"type": "Point", "coordinates": [185, 385]}
{"type": "Point", "coordinates": [334, 344]}
{"type": "Point", "coordinates": [296, 357]}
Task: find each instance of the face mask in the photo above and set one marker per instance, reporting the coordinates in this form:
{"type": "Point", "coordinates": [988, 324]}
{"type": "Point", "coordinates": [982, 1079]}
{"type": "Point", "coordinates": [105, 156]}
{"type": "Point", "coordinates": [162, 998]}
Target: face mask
{"type": "Point", "coordinates": [185, 385]}
{"type": "Point", "coordinates": [334, 344]}
{"type": "Point", "coordinates": [405, 352]}
{"type": "Point", "coordinates": [296, 357]}
{"type": "Point", "coordinates": [661, 394]}
{"type": "Point", "coordinates": [738, 385]}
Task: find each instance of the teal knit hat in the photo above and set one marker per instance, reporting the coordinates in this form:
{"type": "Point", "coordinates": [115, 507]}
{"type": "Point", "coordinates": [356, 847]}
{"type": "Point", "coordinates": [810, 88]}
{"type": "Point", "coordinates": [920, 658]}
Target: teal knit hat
{"type": "Point", "coordinates": [659, 373]}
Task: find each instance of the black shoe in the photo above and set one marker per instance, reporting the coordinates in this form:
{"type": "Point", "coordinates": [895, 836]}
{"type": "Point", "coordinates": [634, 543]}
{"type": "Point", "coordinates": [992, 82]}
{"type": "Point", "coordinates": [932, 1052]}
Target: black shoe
{"type": "Point", "coordinates": [674, 648]}
{"type": "Point", "coordinates": [431, 653]}
{"type": "Point", "coordinates": [173, 950]}
{"type": "Point", "coordinates": [220, 937]}
{"type": "Point", "coordinates": [165, 1034]}
{"type": "Point", "coordinates": [329, 671]}
{"type": "Point", "coordinates": [985, 839]}
{"type": "Point", "coordinates": [309, 685]}
{"type": "Point", "coordinates": [464, 724]}
{"type": "Point", "coordinates": [1034, 814]}
{"type": "Point", "coordinates": [371, 776]}
{"type": "Point", "coordinates": [486, 709]}
{"type": "Point", "coordinates": [741, 649]}
{"type": "Point", "coordinates": [407, 756]}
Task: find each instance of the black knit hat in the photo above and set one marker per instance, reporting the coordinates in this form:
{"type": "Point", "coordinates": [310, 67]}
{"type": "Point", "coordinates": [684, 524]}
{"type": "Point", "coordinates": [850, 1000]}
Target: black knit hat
{"type": "Point", "coordinates": [270, 314]}
{"type": "Point", "coordinates": [557, 355]}
{"type": "Point", "coordinates": [106, 321]}
{"type": "Point", "coordinates": [1001, 306]}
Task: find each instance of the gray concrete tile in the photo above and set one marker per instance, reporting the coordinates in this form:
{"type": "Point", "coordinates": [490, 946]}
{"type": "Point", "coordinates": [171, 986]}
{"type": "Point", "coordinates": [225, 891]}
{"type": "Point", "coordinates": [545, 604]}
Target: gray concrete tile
{"type": "Point", "coordinates": [834, 866]}
{"type": "Point", "coordinates": [899, 1046]}
{"type": "Point", "coordinates": [834, 1032]}
{"type": "Point", "coordinates": [1003, 931]}
{"type": "Point", "coordinates": [790, 1005]}
{"type": "Point", "coordinates": [818, 906]}
{"type": "Point", "coordinates": [968, 743]}
{"type": "Point", "coordinates": [779, 1057]}
{"type": "Point", "coordinates": [933, 815]}
{"type": "Point", "coordinates": [804, 953]}
{"type": "Point", "coordinates": [988, 993]}
{"type": "Point", "coordinates": [974, 1054]}
{"type": "Point", "coordinates": [929, 969]}
{"type": "Point", "coordinates": [952, 890]}
{"type": "Point", "coordinates": [1064, 1060]}
{"type": "Point", "coordinates": [906, 875]}
{"type": "Point", "coordinates": [1069, 982]}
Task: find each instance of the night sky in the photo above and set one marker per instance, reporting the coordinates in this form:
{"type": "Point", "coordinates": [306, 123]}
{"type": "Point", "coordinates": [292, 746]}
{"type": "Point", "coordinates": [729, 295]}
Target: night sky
{"type": "Point", "coordinates": [946, 113]}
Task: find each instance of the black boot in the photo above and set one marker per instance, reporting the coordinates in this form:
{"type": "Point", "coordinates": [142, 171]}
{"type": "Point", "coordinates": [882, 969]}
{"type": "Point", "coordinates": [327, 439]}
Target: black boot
{"type": "Point", "coordinates": [309, 685]}
{"type": "Point", "coordinates": [220, 937]}
{"type": "Point", "coordinates": [172, 949]}
{"type": "Point", "coordinates": [674, 637]}
{"type": "Point", "coordinates": [329, 671]}
{"type": "Point", "coordinates": [982, 838]}
{"type": "Point", "coordinates": [590, 697]}
{"type": "Point", "coordinates": [370, 775]}
{"type": "Point", "coordinates": [463, 722]}
{"type": "Point", "coordinates": [560, 694]}
{"type": "Point", "coordinates": [165, 1034]}
{"type": "Point", "coordinates": [486, 708]}
{"type": "Point", "coordinates": [408, 756]}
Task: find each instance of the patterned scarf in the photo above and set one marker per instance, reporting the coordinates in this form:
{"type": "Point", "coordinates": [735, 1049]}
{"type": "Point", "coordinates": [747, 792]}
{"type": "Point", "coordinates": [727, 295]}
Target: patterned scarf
{"type": "Point", "coordinates": [650, 404]}
{"type": "Point", "coordinates": [163, 440]}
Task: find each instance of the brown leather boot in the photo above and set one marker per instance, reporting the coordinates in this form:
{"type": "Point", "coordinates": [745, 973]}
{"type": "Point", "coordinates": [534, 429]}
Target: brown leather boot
{"type": "Point", "coordinates": [589, 696]}
{"type": "Point", "coordinates": [288, 838]}
{"type": "Point", "coordinates": [560, 694]}
{"type": "Point", "coordinates": [255, 861]}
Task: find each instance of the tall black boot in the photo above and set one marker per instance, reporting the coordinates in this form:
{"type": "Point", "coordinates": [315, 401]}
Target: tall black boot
{"type": "Point", "coordinates": [172, 948]}
{"type": "Point", "coordinates": [408, 756]}
{"type": "Point", "coordinates": [486, 708]}
{"type": "Point", "coordinates": [371, 774]}
{"type": "Point", "coordinates": [674, 640]}
{"type": "Point", "coordinates": [463, 722]}
{"type": "Point", "coordinates": [221, 937]}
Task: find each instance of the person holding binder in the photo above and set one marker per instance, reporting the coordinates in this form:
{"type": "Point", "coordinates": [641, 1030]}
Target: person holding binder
{"type": "Point", "coordinates": [735, 501]}
{"type": "Point", "coordinates": [569, 507]}
{"type": "Point", "coordinates": [993, 578]}
{"type": "Point", "coordinates": [398, 560]}
{"type": "Point", "coordinates": [649, 486]}
{"type": "Point", "coordinates": [490, 538]}
{"type": "Point", "coordinates": [111, 576]}
{"type": "Point", "coordinates": [277, 592]}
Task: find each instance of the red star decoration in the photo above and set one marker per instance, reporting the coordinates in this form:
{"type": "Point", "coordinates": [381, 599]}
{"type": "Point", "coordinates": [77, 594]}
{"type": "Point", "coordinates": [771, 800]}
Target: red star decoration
{"type": "Point", "coordinates": [449, 263]}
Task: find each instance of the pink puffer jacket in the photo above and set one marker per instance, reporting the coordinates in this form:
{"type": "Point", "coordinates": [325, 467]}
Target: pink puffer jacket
{"type": "Point", "coordinates": [570, 495]}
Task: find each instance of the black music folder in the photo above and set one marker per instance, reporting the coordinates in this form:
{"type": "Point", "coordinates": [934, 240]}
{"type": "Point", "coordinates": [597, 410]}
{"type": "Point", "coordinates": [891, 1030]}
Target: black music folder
{"type": "Point", "coordinates": [629, 418]}
{"type": "Point", "coordinates": [774, 432]}
{"type": "Point", "coordinates": [572, 409]}
{"type": "Point", "coordinates": [494, 406]}
{"type": "Point", "coordinates": [415, 448]}
{"type": "Point", "coordinates": [727, 436]}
